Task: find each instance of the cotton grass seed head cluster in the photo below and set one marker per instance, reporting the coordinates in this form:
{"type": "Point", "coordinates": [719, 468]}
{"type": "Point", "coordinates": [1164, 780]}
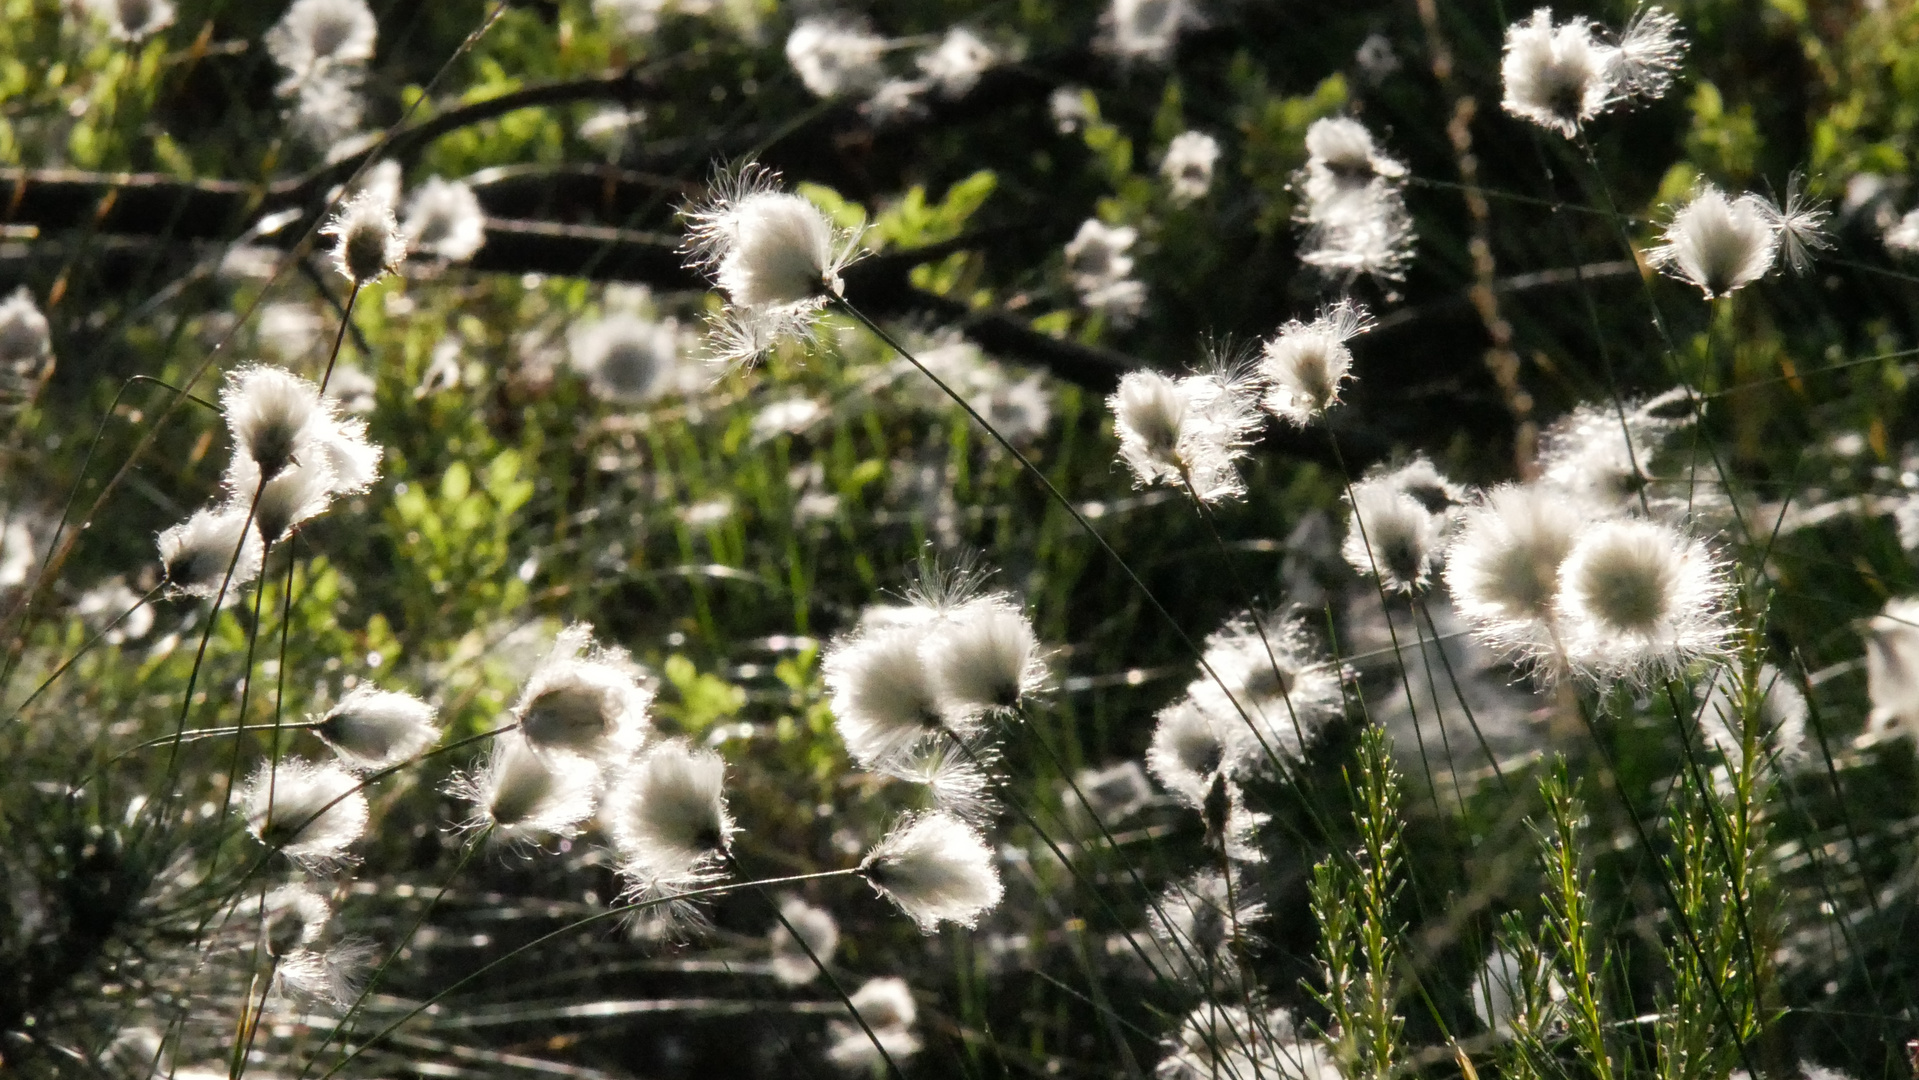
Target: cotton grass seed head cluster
{"type": "Point", "coordinates": [1305, 364]}
{"type": "Point", "coordinates": [627, 358]}
{"type": "Point", "coordinates": [1188, 165]}
{"type": "Point", "coordinates": [444, 220]}
{"type": "Point", "coordinates": [1352, 204]}
{"type": "Point", "coordinates": [936, 868]}
{"type": "Point", "coordinates": [309, 811]}
{"type": "Point", "coordinates": [373, 729]}
{"type": "Point", "coordinates": [775, 255]}
{"type": "Point", "coordinates": [1563, 76]}
{"type": "Point", "coordinates": [584, 699]}
{"type": "Point", "coordinates": [367, 241]}
{"type": "Point", "coordinates": [133, 21]}
{"type": "Point", "coordinates": [1190, 432]}
{"type": "Point", "coordinates": [1722, 244]}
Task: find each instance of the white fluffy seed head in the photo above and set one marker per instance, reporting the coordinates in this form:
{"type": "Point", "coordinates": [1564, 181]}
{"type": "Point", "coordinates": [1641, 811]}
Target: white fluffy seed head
{"type": "Point", "coordinates": [625, 357]}
{"type": "Point", "coordinates": [1100, 254]}
{"type": "Point", "coordinates": [1189, 748]}
{"type": "Point", "coordinates": [1188, 165]}
{"type": "Point", "coordinates": [273, 415]}
{"type": "Point", "coordinates": [317, 34]}
{"type": "Point", "coordinates": [985, 658]}
{"type": "Point", "coordinates": [819, 931]}
{"type": "Point", "coordinates": [299, 492]}
{"type": "Point", "coordinates": [668, 819]}
{"type": "Point", "coordinates": [936, 868]}
{"type": "Point", "coordinates": [444, 219]}
{"type": "Point", "coordinates": [524, 795]}
{"type": "Point", "coordinates": [368, 243]}
{"type": "Point", "coordinates": [960, 781]}
{"type": "Point", "coordinates": [1190, 432]}
{"type": "Point", "coordinates": [195, 554]}
{"type": "Point", "coordinates": [1558, 77]}
{"type": "Point", "coordinates": [1502, 566]}
{"type": "Point", "coordinates": [374, 729]}
{"type": "Point", "coordinates": [1389, 534]}
{"type": "Point", "coordinates": [584, 700]}
{"type": "Point", "coordinates": [1718, 243]}
{"type": "Point", "coordinates": [1268, 689]}
{"type": "Point", "coordinates": [1217, 1040]}
{"type": "Point", "coordinates": [25, 336]}
{"type": "Point", "coordinates": [1194, 925]}
{"type": "Point", "coordinates": [882, 693]}
{"type": "Point", "coordinates": [134, 20]}
{"type": "Point", "coordinates": [352, 462]}
{"type": "Point", "coordinates": [1639, 600]}
{"type": "Point", "coordinates": [956, 64]}
{"type": "Point", "coordinates": [886, 1005]}
{"type": "Point", "coordinates": [308, 810]}
{"type": "Point", "coordinates": [1146, 30]}
{"type": "Point", "coordinates": [1305, 365]}
{"type": "Point", "coordinates": [1892, 671]}
{"type": "Point", "coordinates": [293, 917]}
{"type": "Point", "coordinates": [833, 57]}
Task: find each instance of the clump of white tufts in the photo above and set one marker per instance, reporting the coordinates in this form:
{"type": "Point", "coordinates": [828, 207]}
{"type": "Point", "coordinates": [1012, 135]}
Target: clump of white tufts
{"type": "Point", "coordinates": [1352, 203]}
{"type": "Point", "coordinates": [985, 658]}
{"type": "Point", "coordinates": [1561, 77]}
{"type": "Point", "coordinates": [368, 243]}
{"type": "Point", "coordinates": [1306, 363]}
{"type": "Point", "coordinates": [584, 700]}
{"type": "Point", "coordinates": [1194, 925]}
{"type": "Point", "coordinates": [315, 35]}
{"type": "Point", "coordinates": [1389, 535]}
{"type": "Point", "coordinates": [815, 927]}
{"type": "Point", "coordinates": [1099, 264]}
{"type": "Point", "coordinates": [310, 811]}
{"type": "Point", "coordinates": [1639, 600]}
{"type": "Point", "coordinates": [668, 819]}
{"type": "Point", "coordinates": [523, 795]}
{"type": "Point", "coordinates": [294, 921]}
{"type": "Point", "coordinates": [1502, 566]}
{"type": "Point", "coordinates": [936, 868]}
{"type": "Point", "coordinates": [443, 219]}
{"type": "Point", "coordinates": [133, 20]}
{"type": "Point", "coordinates": [1188, 165]}
{"type": "Point", "coordinates": [1892, 672]}
{"type": "Point", "coordinates": [327, 108]}
{"type": "Point", "coordinates": [375, 729]}
{"type": "Point", "coordinates": [625, 357]}
{"type": "Point", "coordinates": [776, 256]}
{"type": "Point", "coordinates": [274, 416]}
{"type": "Point", "coordinates": [292, 917]}
{"type": "Point", "coordinates": [955, 65]}
{"type": "Point", "coordinates": [1603, 455]}
{"type": "Point", "coordinates": [25, 337]}
{"type": "Point", "coordinates": [1770, 708]}
{"type": "Point", "coordinates": [196, 554]}
{"type": "Point", "coordinates": [1189, 432]}
{"type": "Point", "coordinates": [833, 57]}
{"type": "Point", "coordinates": [1146, 29]}
{"type": "Point", "coordinates": [886, 1005]}
{"type": "Point", "coordinates": [1718, 243]}
{"type": "Point", "coordinates": [1267, 693]}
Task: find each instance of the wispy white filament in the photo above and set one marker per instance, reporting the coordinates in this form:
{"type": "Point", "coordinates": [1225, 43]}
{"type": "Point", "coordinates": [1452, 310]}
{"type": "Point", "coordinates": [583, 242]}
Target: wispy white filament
{"type": "Point", "coordinates": [936, 868]}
